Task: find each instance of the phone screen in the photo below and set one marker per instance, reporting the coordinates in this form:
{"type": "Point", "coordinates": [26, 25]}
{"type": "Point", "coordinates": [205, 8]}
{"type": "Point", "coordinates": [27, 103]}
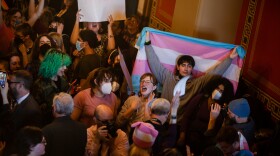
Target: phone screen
{"type": "Point", "coordinates": [3, 76]}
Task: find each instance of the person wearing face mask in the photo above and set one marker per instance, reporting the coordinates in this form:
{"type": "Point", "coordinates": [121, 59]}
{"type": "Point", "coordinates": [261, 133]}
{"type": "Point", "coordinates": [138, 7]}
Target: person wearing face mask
{"type": "Point", "coordinates": [204, 115]}
{"type": "Point", "coordinates": [41, 45]}
{"type": "Point", "coordinates": [13, 19]}
{"type": "Point", "coordinates": [100, 92]}
{"type": "Point", "coordinates": [114, 65]}
{"type": "Point", "coordinates": [91, 60]}
{"type": "Point", "coordinates": [24, 42]}
{"type": "Point", "coordinates": [106, 42]}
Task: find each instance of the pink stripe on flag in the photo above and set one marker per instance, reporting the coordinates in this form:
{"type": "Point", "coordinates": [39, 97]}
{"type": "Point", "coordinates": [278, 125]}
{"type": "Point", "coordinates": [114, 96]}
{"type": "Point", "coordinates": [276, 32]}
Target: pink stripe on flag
{"type": "Point", "coordinates": [188, 48]}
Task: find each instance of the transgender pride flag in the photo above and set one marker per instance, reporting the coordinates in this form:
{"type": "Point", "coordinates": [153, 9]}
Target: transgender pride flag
{"type": "Point", "coordinates": [169, 46]}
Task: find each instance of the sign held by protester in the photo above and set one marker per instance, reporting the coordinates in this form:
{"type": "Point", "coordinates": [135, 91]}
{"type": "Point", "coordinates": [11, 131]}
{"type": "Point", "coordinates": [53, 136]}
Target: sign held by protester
{"type": "Point", "coordinates": [100, 10]}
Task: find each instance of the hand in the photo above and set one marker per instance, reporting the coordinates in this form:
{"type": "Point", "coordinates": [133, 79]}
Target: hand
{"type": "Point", "coordinates": [110, 20]}
{"type": "Point", "coordinates": [102, 133]}
{"type": "Point", "coordinates": [76, 53]}
{"type": "Point", "coordinates": [4, 91]}
{"type": "Point", "coordinates": [147, 36]}
{"type": "Point", "coordinates": [233, 53]}
{"type": "Point", "coordinates": [215, 111]}
{"type": "Point", "coordinates": [79, 15]}
{"type": "Point", "coordinates": [60, 27]}
{"type": "Point", "coordinates": [22, 49]}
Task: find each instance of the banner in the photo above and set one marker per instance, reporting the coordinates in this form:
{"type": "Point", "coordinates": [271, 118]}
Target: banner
{"type": "Point", "coordinates": [99, 10]}
{"type": "Point", "coordinates": [169, 46]}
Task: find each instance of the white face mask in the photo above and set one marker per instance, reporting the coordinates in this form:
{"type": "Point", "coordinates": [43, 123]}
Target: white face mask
{"type": "Point", "coordinates": [106, 88]}
{"type": "Point", "coordinates": [115, 86]}
{"type": "Point", "coordinates": [216, 95]}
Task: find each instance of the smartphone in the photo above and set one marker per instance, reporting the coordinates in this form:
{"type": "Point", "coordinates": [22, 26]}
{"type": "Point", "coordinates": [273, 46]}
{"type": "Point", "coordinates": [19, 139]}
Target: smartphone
{"type": "Point", "coordinates": [3, 77]}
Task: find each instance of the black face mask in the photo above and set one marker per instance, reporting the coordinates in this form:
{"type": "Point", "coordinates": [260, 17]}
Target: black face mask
{"type": "Point", "coordinates": [44, 48]}
{"type": "Point", "coordinates": [18, 41]}
{"type": "Point", "coordinates": [52, 29]}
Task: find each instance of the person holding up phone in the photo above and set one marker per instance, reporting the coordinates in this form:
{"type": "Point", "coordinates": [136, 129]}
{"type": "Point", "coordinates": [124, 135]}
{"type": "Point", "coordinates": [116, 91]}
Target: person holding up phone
{"type": "Point", "coordinates": [24, 110]}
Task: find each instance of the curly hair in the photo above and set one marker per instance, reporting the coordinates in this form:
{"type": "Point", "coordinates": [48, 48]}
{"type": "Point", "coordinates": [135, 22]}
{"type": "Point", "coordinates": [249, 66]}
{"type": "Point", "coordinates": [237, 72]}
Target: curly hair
{"type": "Point", "coordinates": [53, 60]}
{"type": "Point", "coordinates": [228, 92]}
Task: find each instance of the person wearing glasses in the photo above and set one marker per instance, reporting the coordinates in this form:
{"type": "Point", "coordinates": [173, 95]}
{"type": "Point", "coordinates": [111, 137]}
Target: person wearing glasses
{"type": "Point", "coordinates": [21, 111]}
{"type": "Point", "coordinates": [103, 138]}
{"type": "Point", "coordinates": [100, 92]}
{"type": "Point", "coordinates": [136, 108]}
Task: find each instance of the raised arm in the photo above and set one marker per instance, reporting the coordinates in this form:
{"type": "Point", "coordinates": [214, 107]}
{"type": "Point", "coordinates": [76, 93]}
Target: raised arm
{"type": "Point", "coordinates": [32, 8]}
{"type": "Point", "coordinates": [31, 21]}
{"type": "Point", "coordinates": [223, 66]}
{"type": "Point", "coordinates": [157, 68]}
{"type": "Point", "coordinates": [76, 29]}
{"type": "Point", "coordinates": [111, 40]}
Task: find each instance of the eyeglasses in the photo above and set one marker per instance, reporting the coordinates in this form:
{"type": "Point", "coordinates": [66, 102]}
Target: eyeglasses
{"type": "Point", "coordinates": [146, 81]}
{"type": "Point", "coordinates": [10, 82]}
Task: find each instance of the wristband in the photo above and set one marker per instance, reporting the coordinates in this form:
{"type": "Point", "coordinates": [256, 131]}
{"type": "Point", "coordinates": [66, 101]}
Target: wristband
{"type": "Point", "coordinates": [148, 43]}
{"type": "Point", "coordinates": [173, 117]}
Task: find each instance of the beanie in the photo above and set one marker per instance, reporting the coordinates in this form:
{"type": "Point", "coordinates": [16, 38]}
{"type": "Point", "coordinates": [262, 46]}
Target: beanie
{"type": "Point", "coordinates": [144, 134]}
{"type": "Point", "coordinates": [239, 107]}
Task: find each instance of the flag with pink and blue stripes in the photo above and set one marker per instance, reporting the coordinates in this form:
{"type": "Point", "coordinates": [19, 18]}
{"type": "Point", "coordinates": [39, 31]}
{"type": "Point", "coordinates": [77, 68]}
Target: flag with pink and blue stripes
{"type": "Point", "coordinates": [168, 46]}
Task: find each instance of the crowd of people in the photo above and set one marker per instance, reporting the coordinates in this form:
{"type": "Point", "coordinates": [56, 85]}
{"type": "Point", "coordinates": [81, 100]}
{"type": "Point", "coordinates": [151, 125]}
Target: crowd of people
{"type": "Point", "coordinates": [64, 91]}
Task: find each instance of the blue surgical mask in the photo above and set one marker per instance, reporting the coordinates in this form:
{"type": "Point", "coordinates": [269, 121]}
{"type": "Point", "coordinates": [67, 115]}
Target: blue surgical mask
{"type": "Point", "coordinates": [216, 95]}
{"type": "Point", "coordinates": [79, 46]}
{"type": "Point", "coordinates": [17, 22]}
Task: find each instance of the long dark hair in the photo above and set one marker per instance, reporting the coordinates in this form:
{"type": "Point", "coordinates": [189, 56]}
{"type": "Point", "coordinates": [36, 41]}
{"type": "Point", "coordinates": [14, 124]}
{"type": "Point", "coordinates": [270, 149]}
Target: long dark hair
{"type": "Point", "coordinates": [36, 47]}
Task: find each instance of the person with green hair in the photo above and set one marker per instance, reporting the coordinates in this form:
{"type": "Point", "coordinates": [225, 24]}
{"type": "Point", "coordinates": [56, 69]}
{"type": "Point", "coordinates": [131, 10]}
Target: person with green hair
{"type": "Point", "coordinates": [51, 81]}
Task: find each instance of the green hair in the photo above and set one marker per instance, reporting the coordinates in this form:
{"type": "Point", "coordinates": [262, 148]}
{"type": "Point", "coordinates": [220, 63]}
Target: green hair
{"type": "Point", "coordinates": [53, 60]}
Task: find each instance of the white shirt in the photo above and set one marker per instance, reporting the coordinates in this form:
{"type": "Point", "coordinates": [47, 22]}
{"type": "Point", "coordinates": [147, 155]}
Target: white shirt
{"type": "Point", "coordinates": [22, 98]}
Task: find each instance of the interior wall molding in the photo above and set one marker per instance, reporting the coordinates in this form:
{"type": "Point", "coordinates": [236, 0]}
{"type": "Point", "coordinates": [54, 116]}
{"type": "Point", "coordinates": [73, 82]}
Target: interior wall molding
{"type": "Point", "coordinates": [270, 103]}
{"type": "Point", "coordinates": [155, 22]}
{"type": "Point", "coordinates": [247, 30]}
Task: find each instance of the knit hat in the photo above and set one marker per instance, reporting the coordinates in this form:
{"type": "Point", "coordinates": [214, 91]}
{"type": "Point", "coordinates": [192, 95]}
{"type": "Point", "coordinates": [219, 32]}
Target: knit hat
{"type": "Point", "coordinates": [144, 134]}
{"type": "Point", "coordinates": [239, 107]}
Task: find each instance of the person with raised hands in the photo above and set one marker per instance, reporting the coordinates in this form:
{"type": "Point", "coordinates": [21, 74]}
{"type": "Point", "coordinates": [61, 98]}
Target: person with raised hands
{"type": "Point", "coordinates": [136, 108]}
{"type": "Point", "coordinates": [183, 73]}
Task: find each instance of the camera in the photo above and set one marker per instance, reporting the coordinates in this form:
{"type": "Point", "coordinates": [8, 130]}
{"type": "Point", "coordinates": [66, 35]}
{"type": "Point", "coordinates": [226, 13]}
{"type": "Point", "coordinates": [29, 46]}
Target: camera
{"type": "Point", "coordinates": [111, 129]}
{"type": "Point", "coordinates": [3, 77]}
